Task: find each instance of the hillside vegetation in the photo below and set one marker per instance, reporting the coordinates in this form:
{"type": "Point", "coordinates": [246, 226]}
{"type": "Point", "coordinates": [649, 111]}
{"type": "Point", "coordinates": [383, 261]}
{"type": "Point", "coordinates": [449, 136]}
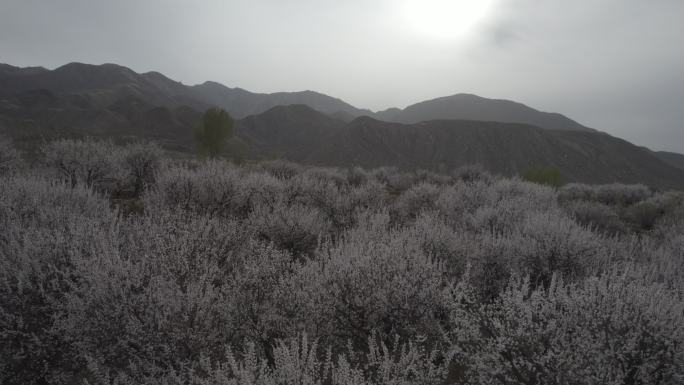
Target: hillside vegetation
{"type": "Point", "coordinates": [120, 266]}
{"type": "Point", "coordinates": [503, 148]}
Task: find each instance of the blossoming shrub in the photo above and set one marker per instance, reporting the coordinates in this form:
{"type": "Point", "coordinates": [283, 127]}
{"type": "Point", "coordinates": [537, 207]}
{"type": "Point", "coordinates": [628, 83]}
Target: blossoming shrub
{"type": "Point", "coordinates": [278, 273]}
{"type": "Point", "coordinates": [599, 216]}
{"type": "Point", "coordinates": [10, 157]}
{"type": "Point", "coordinates": [611, 194]}
{"type": "Point", "coordinates": [373, 280]}
{"type": "Point", "coordinates": [612, 329]}
{"type": "Point", "coordinates": [216, 188]}
{"type": "Point", "coordinates": [296, 229]}
{"type": "Point", "coordinates": [48, 228]}
{"type": "Point", "coordinates": [141, 163]}
{"type": "Point", "coordinates": [89, 162]}
{"type": "Point", "coordinates": [414, 200]}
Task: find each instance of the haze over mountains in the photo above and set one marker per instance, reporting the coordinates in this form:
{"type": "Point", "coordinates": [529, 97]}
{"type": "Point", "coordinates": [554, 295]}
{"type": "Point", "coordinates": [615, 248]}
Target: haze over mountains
{"type": "Point", "coordinates": [108, 100]}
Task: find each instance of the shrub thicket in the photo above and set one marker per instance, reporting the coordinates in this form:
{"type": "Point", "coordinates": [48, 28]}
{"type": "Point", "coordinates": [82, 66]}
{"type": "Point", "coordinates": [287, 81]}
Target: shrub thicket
{"type": "Point", "coordinates": [613, 329]}
{"type": "Point", "coordinates": [91, 163]}
{"type": "Point", "coordinates": [277, 273]}
{"type": "Point", "coordinates": [10, 158]}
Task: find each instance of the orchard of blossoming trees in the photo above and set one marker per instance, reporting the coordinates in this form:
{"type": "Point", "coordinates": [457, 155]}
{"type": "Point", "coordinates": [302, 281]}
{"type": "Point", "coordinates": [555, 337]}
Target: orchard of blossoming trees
{"type": "Point", "coordinates": [119, 265]}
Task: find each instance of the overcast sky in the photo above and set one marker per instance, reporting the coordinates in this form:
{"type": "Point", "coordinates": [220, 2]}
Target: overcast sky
{"type": "Point", "coordinates": [615, 65]}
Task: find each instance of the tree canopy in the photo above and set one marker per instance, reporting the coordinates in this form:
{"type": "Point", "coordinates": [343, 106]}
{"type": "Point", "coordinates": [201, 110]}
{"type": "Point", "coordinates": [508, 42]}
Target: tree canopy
{"type": "Point", "coordinates": [549, 176]}
{"type": "Point", "coordinates": [215, 127]}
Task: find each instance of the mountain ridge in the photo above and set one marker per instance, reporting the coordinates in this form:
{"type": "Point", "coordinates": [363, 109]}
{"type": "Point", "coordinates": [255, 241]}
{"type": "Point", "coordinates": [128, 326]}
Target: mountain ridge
{"type": "Point", "coordinates": [107, 82]}
{"type": "Point", "coordinates": [465, 106]}
{"type": "Point", "coordinates": [504, 148]}
{"type": "Point", "coordinates": [156, 88]}
{"type": "Point", "coordinates": [671, 158]}
{"type": "Point", "coordinates": [115, 102]}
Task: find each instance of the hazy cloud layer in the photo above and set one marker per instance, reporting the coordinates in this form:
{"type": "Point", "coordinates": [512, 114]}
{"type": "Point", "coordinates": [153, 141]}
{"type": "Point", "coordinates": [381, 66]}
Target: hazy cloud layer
{"type": "Point", "coordinates": [615, 65]}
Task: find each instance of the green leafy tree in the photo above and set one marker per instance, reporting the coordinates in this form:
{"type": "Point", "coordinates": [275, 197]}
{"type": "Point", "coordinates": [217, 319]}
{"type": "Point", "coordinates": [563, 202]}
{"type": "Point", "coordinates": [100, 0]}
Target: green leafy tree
{"type": "Point", "coordinates": [211, 134]}
{"type": "Point", "coordinates": [543, 175]}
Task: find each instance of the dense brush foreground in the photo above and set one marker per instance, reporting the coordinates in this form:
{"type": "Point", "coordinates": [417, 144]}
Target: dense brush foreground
{"type": "Point", "coordinates": [118, 266]}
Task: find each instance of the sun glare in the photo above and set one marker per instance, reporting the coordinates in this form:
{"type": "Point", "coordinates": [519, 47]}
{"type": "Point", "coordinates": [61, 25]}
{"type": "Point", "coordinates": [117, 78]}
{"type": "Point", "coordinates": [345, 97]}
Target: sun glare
{"type": "Point", "coordinates": [446, 18]}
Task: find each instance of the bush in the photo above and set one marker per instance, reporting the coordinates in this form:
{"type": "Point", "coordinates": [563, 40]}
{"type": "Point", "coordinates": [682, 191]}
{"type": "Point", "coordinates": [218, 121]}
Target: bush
{"type": "Point", "coordinates": [296, 229]}
{"type": "Point", "coordinates": [10, 158]}
{"type": "Point", "coordinates": [371, 282]}
{"type": "Point", "coordinates": [209, 190]}
{"type": "Point", "coordinates": [501, 206]}
{"type": "Point", "coordinates": [644, 215]}
{"type": "Point", "coordinates": [281, 169]}
{"type": "Point", "coordinates": [326, 175]}
{"type": "Point", "coordinates": [414, 200]}
{"type": "Point", "coordinates": [395, 181]}
{"type": "Point", "coordinates": [429, 177]}
{"type": "Point", "coordinates": [88, 162]}
{"type": "Point", "coordinates": [250, 258]}
{"type": "Point", "coordinates": [160, 298]}
{"type": "Point", "coordinates": [350, 202]}
{"type": "Point", "coordinates": [217, 188]}
{"type": "Point", "coordinates": [455, 201]}
{"type": "Point", "coordinates": [472, 173]}
{"type": "Point", "coordinates": [611, 194]}
{"type": "Point", "coordinates": [142, 162]}
{"type": "Point", "coordinates": [499, 219]}
{"type": "Point", "coordinates": [255, 296]}
{"type": "Point", "coordinates": [550, 243]}
{"type": "Point", "coordinates": [298, 361]}
{"type": "Point", "coordinates": [508, 242]}
{"type": "Point", "coordinates": [491, 265]}
{"type": "Point", "coordinates": [612, 329]}
{"type": "Point", "coordinates": [596, 215]}
{"type": "Point", "coordinates": [357, 176]}
{"type": "Point", "coordinates": [318, 192]}
{"type": "Point", "coordinates": [443, 243]}
{"type": "Point", "coordinates": [621, 194]}
{"type": "Point", "coordinates": [576, 192]}
{"type": "Point", "coordinates": [48, 230]}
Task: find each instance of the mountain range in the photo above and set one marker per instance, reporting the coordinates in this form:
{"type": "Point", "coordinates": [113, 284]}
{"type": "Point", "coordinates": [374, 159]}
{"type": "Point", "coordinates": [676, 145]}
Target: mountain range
{"type": "Point", "coordinates": [504, 148]}
{"type": "Point", "coordinates": [37, 104]}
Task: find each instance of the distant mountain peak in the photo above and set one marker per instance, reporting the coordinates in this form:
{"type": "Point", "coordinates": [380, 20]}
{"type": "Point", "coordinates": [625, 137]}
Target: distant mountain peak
{"type": "Point", "coordinates": [463, 95]}
{"type": "Point", "coordinates": [157, 75]}
{"type": "Point", "coordinates": [211, 83]}
{"type": "Point", "coordinates": [467, 106]}
{"type": "Point", "coordinates": [364, 119]}
{"type": "Point", "coordinates": [301, 109]}
{"type": "Point", "coordinates": [84, 67]}
{"type": "Point", "coordinates": [671, 158]}
{"type": "Point", "coordinates": [10, 69]}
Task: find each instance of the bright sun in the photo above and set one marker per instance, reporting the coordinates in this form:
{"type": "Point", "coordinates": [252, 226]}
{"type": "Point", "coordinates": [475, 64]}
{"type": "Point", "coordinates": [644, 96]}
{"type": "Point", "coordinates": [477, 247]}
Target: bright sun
{"type": "Point", "coordinates": [446, 18]}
